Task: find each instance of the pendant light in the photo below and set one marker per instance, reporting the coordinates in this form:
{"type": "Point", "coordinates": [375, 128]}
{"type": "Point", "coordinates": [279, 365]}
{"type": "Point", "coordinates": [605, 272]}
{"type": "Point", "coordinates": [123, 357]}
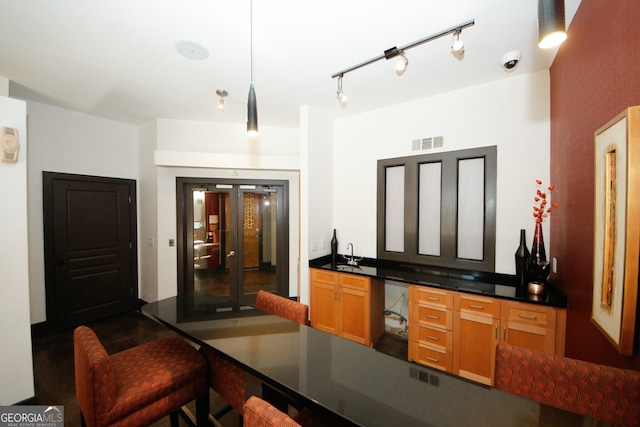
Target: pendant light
{"type": "Point", "coordinates": [551, 30]}
{"type": "Point", "coordinates": [252, 107]}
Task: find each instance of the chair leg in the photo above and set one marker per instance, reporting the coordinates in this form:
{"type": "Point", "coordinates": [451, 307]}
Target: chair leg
{"type": "Point", "coordinates": [202, 410]}
{"type": "Point", "coordinates": [174, 419]}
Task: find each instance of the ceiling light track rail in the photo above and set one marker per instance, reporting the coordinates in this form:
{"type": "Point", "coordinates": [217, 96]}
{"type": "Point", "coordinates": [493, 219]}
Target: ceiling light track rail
{"type": "Point", "coordinates": [395, 51]}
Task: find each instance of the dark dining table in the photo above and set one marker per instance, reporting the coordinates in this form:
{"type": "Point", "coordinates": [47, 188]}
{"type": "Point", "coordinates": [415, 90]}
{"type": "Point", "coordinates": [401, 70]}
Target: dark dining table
{"type": "Point", "coordinates": [361, 385]}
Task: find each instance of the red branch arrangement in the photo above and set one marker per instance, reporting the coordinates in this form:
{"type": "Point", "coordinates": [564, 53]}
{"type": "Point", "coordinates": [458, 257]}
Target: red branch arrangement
{"type": "Point", "coordinates": [540, 209]}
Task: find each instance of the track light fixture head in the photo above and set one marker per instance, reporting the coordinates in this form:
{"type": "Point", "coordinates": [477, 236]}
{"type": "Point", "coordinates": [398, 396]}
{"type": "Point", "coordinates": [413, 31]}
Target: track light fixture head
{"type": "Point", "coordinates": [402, 64]}
{"type": "Point", "coordinates": [457, 45]}
{"type": "Point", "coordinates": [342, 97]}
{"type": "Point", "coordinates": [221, 93]}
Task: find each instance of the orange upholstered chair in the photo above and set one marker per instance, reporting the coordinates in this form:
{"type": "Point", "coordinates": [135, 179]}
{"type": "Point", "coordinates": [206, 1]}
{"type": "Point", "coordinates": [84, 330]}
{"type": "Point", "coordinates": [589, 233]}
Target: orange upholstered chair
{"type": "Point", "coordinates": [258, 413]}
{"type": "Point", "coordinates": [601, 392]}
{"type": "Point", "coordinates": [283, 307]}
{"type": "Point", "coordinates": [138, 386]}
{"type": "Point", "coordinates": [227, 379]}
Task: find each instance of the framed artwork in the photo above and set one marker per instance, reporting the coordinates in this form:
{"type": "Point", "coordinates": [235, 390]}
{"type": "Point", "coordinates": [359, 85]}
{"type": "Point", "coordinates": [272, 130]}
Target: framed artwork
{"type": "Point", "coordinates": [617, 228]}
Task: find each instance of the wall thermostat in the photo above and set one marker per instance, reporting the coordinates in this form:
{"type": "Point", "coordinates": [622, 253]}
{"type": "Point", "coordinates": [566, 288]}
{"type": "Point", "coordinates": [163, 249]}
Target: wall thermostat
{"type": "Point", "coordinates": [9, 144]}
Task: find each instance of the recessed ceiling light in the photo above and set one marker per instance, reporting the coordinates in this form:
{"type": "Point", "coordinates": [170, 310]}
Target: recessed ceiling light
{"type": "Point", "coordinates": [191, 50]}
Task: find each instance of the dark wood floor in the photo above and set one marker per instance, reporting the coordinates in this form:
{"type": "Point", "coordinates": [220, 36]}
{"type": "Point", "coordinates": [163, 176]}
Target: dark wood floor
{"type": "Point", "coordinates": [53, 363]}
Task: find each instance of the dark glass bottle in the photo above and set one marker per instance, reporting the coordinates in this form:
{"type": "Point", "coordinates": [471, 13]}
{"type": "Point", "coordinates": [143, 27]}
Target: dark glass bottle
{"type": "Point", "coordinates": [334, 249]}
{"type": "Point", "coordinates": [522, 262]}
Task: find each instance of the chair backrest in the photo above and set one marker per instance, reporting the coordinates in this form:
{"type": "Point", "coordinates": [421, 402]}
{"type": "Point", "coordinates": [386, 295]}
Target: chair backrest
{"type": "Point", "coordinates": [94, 377]}
{"type": "Point", "coordinates": [258, 413]}
{"type": "Point", "coordinates": [283, 307]}
{"type": "Point", "coordinates": [601, 392]}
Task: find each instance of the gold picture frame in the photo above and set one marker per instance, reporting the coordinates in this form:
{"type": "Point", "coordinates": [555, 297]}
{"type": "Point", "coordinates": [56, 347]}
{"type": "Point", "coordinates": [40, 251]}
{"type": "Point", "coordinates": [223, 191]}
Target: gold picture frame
{"type": "Point", "coordinates": [617, 228]}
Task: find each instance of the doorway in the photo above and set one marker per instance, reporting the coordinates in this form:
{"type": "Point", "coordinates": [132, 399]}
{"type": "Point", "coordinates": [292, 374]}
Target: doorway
{"type": "Point", "coordinates": [233, 238]}
{"type": "Point", "coordinates": [89, 248]}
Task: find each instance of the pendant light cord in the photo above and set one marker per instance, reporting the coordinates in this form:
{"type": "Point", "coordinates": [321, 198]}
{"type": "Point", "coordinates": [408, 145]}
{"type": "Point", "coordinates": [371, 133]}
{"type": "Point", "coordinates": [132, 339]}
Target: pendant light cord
{"type": "Point", "coordinates": [251, 37]}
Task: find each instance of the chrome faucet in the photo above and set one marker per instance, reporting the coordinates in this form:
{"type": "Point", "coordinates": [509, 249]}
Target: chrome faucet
{"type": "Point", "coordinates": [351, 260]}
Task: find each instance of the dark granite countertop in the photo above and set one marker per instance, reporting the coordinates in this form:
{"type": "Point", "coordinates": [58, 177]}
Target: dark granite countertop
{"type": "Point", "coordinates": [473, 282]}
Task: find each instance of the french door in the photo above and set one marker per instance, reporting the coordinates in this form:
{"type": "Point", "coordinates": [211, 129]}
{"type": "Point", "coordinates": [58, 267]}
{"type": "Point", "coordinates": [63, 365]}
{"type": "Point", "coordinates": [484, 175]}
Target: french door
{"type": "Point", "coordinates": [234, 238]}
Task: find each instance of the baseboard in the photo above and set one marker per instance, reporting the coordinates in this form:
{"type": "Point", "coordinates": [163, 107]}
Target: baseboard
{"type": "Point", "coordinates": [27, 402]}
{"type": "Point", "coordinates": [39, 330]}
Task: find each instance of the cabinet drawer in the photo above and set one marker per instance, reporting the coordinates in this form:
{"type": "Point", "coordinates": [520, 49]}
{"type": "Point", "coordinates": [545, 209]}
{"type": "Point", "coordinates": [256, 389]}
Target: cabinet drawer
{"type": "Point", "coordinates": [355, 282]}
{"type": "Point", "coordinates": [478, 305]}
{"type": "Point", "coordinates": [434, 358]}
{"type": "Point", "coordinates": [434, 316]}
{"type": "Point", "coordinates": [434, 297]}
{"type": "Point", "coordinates": [324, 276]}
{"type": "Point", "coordinates": [434, 337]}
{"type": "Point", "coordinates": [520, 314]}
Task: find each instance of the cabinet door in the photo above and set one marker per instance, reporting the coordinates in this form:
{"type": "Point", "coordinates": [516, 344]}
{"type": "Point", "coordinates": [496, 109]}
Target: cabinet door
{"type": "Point", "coordinates": [355, 315]}
{"type": "Point", "coordinates": [475, 340]}
{"type": "Point", "coordinates": [324, 302]}
{"type": "Point", "coordinates": [529, 326]}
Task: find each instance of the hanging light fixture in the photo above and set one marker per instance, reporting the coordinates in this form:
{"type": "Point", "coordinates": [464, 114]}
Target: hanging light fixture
{"type": "Point", "coordinates": [252, 107]}
{"type": "Point", "coordinates": [551, 27]}
{"type": "Point", "coordinates": [221, 93]}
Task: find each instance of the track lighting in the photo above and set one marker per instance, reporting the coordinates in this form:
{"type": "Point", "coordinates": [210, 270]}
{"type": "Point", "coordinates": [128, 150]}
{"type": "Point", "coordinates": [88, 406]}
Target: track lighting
{"type": "Point", "coordinates": [457, 48]}
{"type": "Point", "coordinates": [551, 27]}
{"type": "Point", "coordinates": [221, 93]}
{"type": "Point", "coordinates": [342, 97]}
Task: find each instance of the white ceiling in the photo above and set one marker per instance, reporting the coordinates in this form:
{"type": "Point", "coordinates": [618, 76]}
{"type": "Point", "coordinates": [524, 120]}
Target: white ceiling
{"type": "Point", "coordinates": [117, 58]}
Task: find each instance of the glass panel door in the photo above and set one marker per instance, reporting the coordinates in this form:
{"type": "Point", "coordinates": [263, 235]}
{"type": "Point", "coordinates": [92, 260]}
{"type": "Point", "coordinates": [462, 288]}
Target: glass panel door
{"type": "Point", "coordinates": [239, 245]}
{"type": "Point", "coordinates": [259, 231]}
{"type": "Point", "coordinates": [212, 242]}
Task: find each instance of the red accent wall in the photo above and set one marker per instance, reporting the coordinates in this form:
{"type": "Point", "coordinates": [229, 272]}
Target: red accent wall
{"type": "Point", "coordinates": [595, 76]}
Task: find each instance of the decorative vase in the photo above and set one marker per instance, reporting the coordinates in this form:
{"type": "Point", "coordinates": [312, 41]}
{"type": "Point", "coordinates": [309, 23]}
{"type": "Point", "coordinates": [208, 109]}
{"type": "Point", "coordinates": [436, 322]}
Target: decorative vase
{"type": "Point", "coordinates": [522, 261]}
{"type": "Point", "coordinates": [334, 249]}
{"type": "Point", "coordinates": [538, 254]}
{"type": "Point", "coordinates": [538, 265]}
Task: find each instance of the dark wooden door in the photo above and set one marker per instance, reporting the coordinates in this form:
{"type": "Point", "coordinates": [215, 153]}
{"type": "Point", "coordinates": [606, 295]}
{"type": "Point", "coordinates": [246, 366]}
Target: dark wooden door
{"type": "Point", "coordinates": [90, 248]}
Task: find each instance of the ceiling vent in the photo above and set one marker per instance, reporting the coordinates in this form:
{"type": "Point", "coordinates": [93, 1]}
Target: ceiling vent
{"type": "Point", "coordinates": [427, 143]}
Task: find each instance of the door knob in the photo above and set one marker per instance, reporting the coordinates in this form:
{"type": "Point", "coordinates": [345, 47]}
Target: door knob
{"type": "Point", "coordinates": [230, 254]}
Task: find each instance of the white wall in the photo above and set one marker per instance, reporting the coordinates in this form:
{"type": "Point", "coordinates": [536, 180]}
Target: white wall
{"type": "Point", "coordinates": [4, 86]}
{"type": "Point", "coordinates": [512, 114]}
{"type": "Point", "coordinates": [69, 142]}
{"type": "Point", "coordinates": [316, 182]}
{"type": "Point", "coordinates": [16, 362]}
{"type": "Point", "coordinates": [148, 214]}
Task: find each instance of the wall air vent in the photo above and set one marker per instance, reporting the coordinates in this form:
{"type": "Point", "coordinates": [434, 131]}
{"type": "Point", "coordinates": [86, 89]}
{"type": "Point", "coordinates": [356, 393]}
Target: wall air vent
{"type": "Point", "coordinates": [427, 143]}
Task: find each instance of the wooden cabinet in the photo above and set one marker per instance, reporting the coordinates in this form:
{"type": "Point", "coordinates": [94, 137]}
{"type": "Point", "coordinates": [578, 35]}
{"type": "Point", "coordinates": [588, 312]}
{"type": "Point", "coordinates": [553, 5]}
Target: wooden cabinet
{"type": "Point", "coordinates": [430, 327]}
{"type": "Point", "coordinates": [481, 322]}
{"type": "Point", "coordinates": [477, 327]}
{"type": "Point", "coordinates": [347, 305]}
{"type": "Point", "coordinates": [458, 332]}
{"type": "Point", "coordinates": [536, 327]}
